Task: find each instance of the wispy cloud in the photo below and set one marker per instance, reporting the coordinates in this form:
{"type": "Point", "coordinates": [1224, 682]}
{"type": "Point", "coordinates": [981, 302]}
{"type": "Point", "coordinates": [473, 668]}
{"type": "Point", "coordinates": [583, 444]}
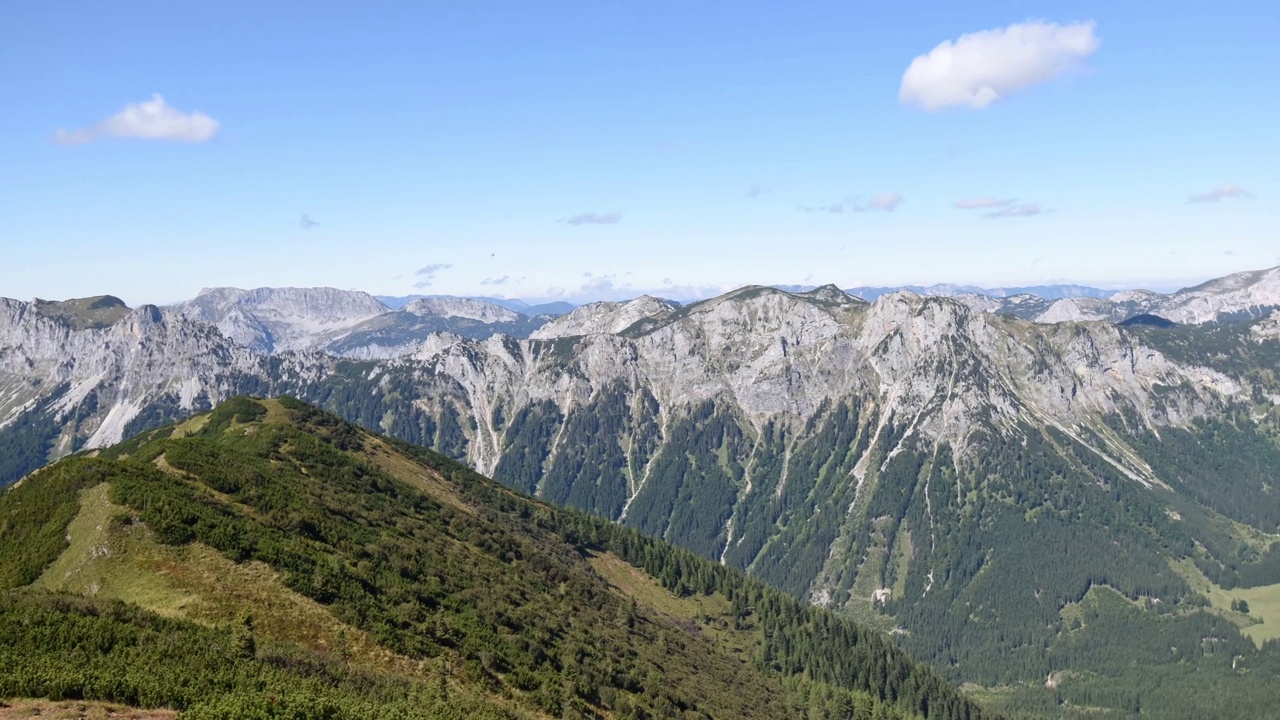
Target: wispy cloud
{"type": "Point", "coordinates": [982, 67]}
{"type": "Point", "coordinates": [824, 208]}
{"type": "Point", "coordinates": [883, 202]}
{"type": "Point", "coordinates": [427, 275]}
{"type": "Point", "coordinates": [1019, 210]}
{"type": "Point", "coordinates": [1229, 191]}
{"type": "Point", "coordinates": [306, 223]}
{"type": "Point", "coordinates": [496, 281]}
{"type": "Point", "coordinates": [756, 191]}
{"type": "Point", "coordinates": [622, 287]}
{"type": "Point", "coordinates": [591, 218]}
{"type": "Point", "coordinates": [152, 119]}
{"type": "Point", "coordinates": [982, 203]}
{"type": "Point", "coordinates": [888, 202]}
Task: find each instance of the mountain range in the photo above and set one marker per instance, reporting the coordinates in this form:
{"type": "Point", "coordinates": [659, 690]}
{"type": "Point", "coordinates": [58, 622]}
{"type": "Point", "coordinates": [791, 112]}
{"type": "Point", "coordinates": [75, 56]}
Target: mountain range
{"type": "Point", "coordinates": [1046, 292]}
{"type": "Point", "coordinates": [999, 482]}
{"type": "Point", "coordinates": [558, 307]}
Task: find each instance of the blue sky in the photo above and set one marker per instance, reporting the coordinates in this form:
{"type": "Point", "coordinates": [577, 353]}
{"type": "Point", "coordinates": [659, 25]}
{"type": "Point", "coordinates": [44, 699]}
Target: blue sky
{"type": "Point", "coordinates": [582, 149]}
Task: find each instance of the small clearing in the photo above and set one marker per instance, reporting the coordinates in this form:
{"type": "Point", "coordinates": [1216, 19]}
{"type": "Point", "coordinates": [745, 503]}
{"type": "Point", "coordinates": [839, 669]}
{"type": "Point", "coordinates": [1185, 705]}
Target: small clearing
{"type": "Point", "coordinates": [1260, 624]}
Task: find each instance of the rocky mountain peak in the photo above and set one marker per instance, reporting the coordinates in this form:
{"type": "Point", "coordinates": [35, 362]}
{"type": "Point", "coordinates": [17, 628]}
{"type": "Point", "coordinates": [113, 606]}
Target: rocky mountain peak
{"type": "Point", "coordinates": [468, 308]}
{"type": "Point", "coordinates": [831, 293]}
{"type": "Point", "coordinates": [1246, 294]}
{"type": "Point", "coordinates": [282, 319]}
{"type": "Point", "coordinates": [605, 317]}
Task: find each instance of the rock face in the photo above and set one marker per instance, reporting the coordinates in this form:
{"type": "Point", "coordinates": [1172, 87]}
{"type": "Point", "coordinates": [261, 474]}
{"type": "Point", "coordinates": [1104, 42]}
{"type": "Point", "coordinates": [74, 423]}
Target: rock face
{"type": "Point", "coordinates": [1247, 294]}
{"type": "Point", "coordinates": [778, 358]}
{"type": "Point", "coordinates": [1269, 328]}
{"type": "Point", "coordinates": [95, 384]}
{"type": "Point", "coordinates": [270, 320]}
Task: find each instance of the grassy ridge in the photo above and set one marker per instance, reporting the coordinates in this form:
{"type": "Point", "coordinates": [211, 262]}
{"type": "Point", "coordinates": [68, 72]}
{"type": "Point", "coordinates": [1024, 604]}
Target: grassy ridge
{"type": "Point", "coordinates": [477, 599]}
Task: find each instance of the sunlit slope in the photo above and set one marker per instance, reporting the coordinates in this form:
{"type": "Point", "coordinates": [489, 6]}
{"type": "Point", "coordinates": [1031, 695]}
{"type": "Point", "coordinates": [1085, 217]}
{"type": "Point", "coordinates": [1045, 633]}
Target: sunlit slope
{"type": "Point", "coordinates": [273, 557]}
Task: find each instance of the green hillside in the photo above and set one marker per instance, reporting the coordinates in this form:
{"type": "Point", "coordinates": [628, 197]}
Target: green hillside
{"type": "Point", "coordinates": [270, 560]}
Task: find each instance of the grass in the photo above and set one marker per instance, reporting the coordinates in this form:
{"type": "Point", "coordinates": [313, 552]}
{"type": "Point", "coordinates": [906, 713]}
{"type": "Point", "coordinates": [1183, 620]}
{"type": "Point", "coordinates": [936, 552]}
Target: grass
{"type": "Point", "coordinates": [191, 426]}
{"type": "Point", "coordinates": [416, 474]}
{"type": "Point", "coordinates": [1262, 623]}
{"type": "Point", "coordinates": [112, 559]}
{"type": "Point", "coordinates": [860, 605]}
{"type": "Point", "coordinates": [713, 611]}
{"type": "Point", "coordinates": [98, 312]}
{"type": "Point", "coordinates": [901, 559]}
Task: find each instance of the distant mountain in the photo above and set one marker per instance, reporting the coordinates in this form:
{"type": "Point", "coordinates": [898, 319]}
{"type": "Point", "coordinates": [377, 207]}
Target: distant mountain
{"type": "Point", "coordinates": [1242, 296]}
{"type": "Point", "coordinates": [1048, 292]}
{"type": "Point", "coordinates": [348, 323]}
{"type": "Point", "coordinates": [605, 317]}
{"type": "Point", "coordinates": [520, 306]}
{"type": "Point", "coordinates": [281, 319]}
{"type": "Point", "coordinates": [551, 308]}
{"type": "Point", "coordinates": [268, 560]}
{"type": "Point", "coordinates": [401, 332]}
{"type": "Point", "coordinates": [395, 302]}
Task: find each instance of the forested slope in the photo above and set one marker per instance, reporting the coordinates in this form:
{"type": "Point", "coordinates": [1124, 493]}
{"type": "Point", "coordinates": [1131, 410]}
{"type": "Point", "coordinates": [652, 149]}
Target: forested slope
{"type": "Point", "coordinates": [270, 560]}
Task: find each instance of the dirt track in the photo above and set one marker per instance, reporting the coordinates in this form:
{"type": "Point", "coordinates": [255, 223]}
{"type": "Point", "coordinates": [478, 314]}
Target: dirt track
{"type": "Point", "coordinates": [76, 710]}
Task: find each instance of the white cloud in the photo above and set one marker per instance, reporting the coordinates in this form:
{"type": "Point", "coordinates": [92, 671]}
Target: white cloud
{"type": "Point", "coordinates": [981, 203]}
{"type": "Point", "coordinates": [306, 223]}
{"type": "Point", "coordinates": [620, 287]}
{"type": "Point", "coordinates": [609, 218]}
{"type": "Point", "coordinates": [496, 281]}
{"type": "Point", "coordinates": [1019, 210]}
{"type": "Point", "coordinates": [979, 68]}
{"type": "Point", "coordinates": [427, 275]}
{"type": "Point", "coordinates": [1222, 192]}
{"type": "Point", "coordinates": [884, 202]}
{"type": "Point", "coordinates": [887, 202]}
{"type": "Point", "coordinates": [756, 191]}
{"type": "Point", "coordinates": [152, 119]}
